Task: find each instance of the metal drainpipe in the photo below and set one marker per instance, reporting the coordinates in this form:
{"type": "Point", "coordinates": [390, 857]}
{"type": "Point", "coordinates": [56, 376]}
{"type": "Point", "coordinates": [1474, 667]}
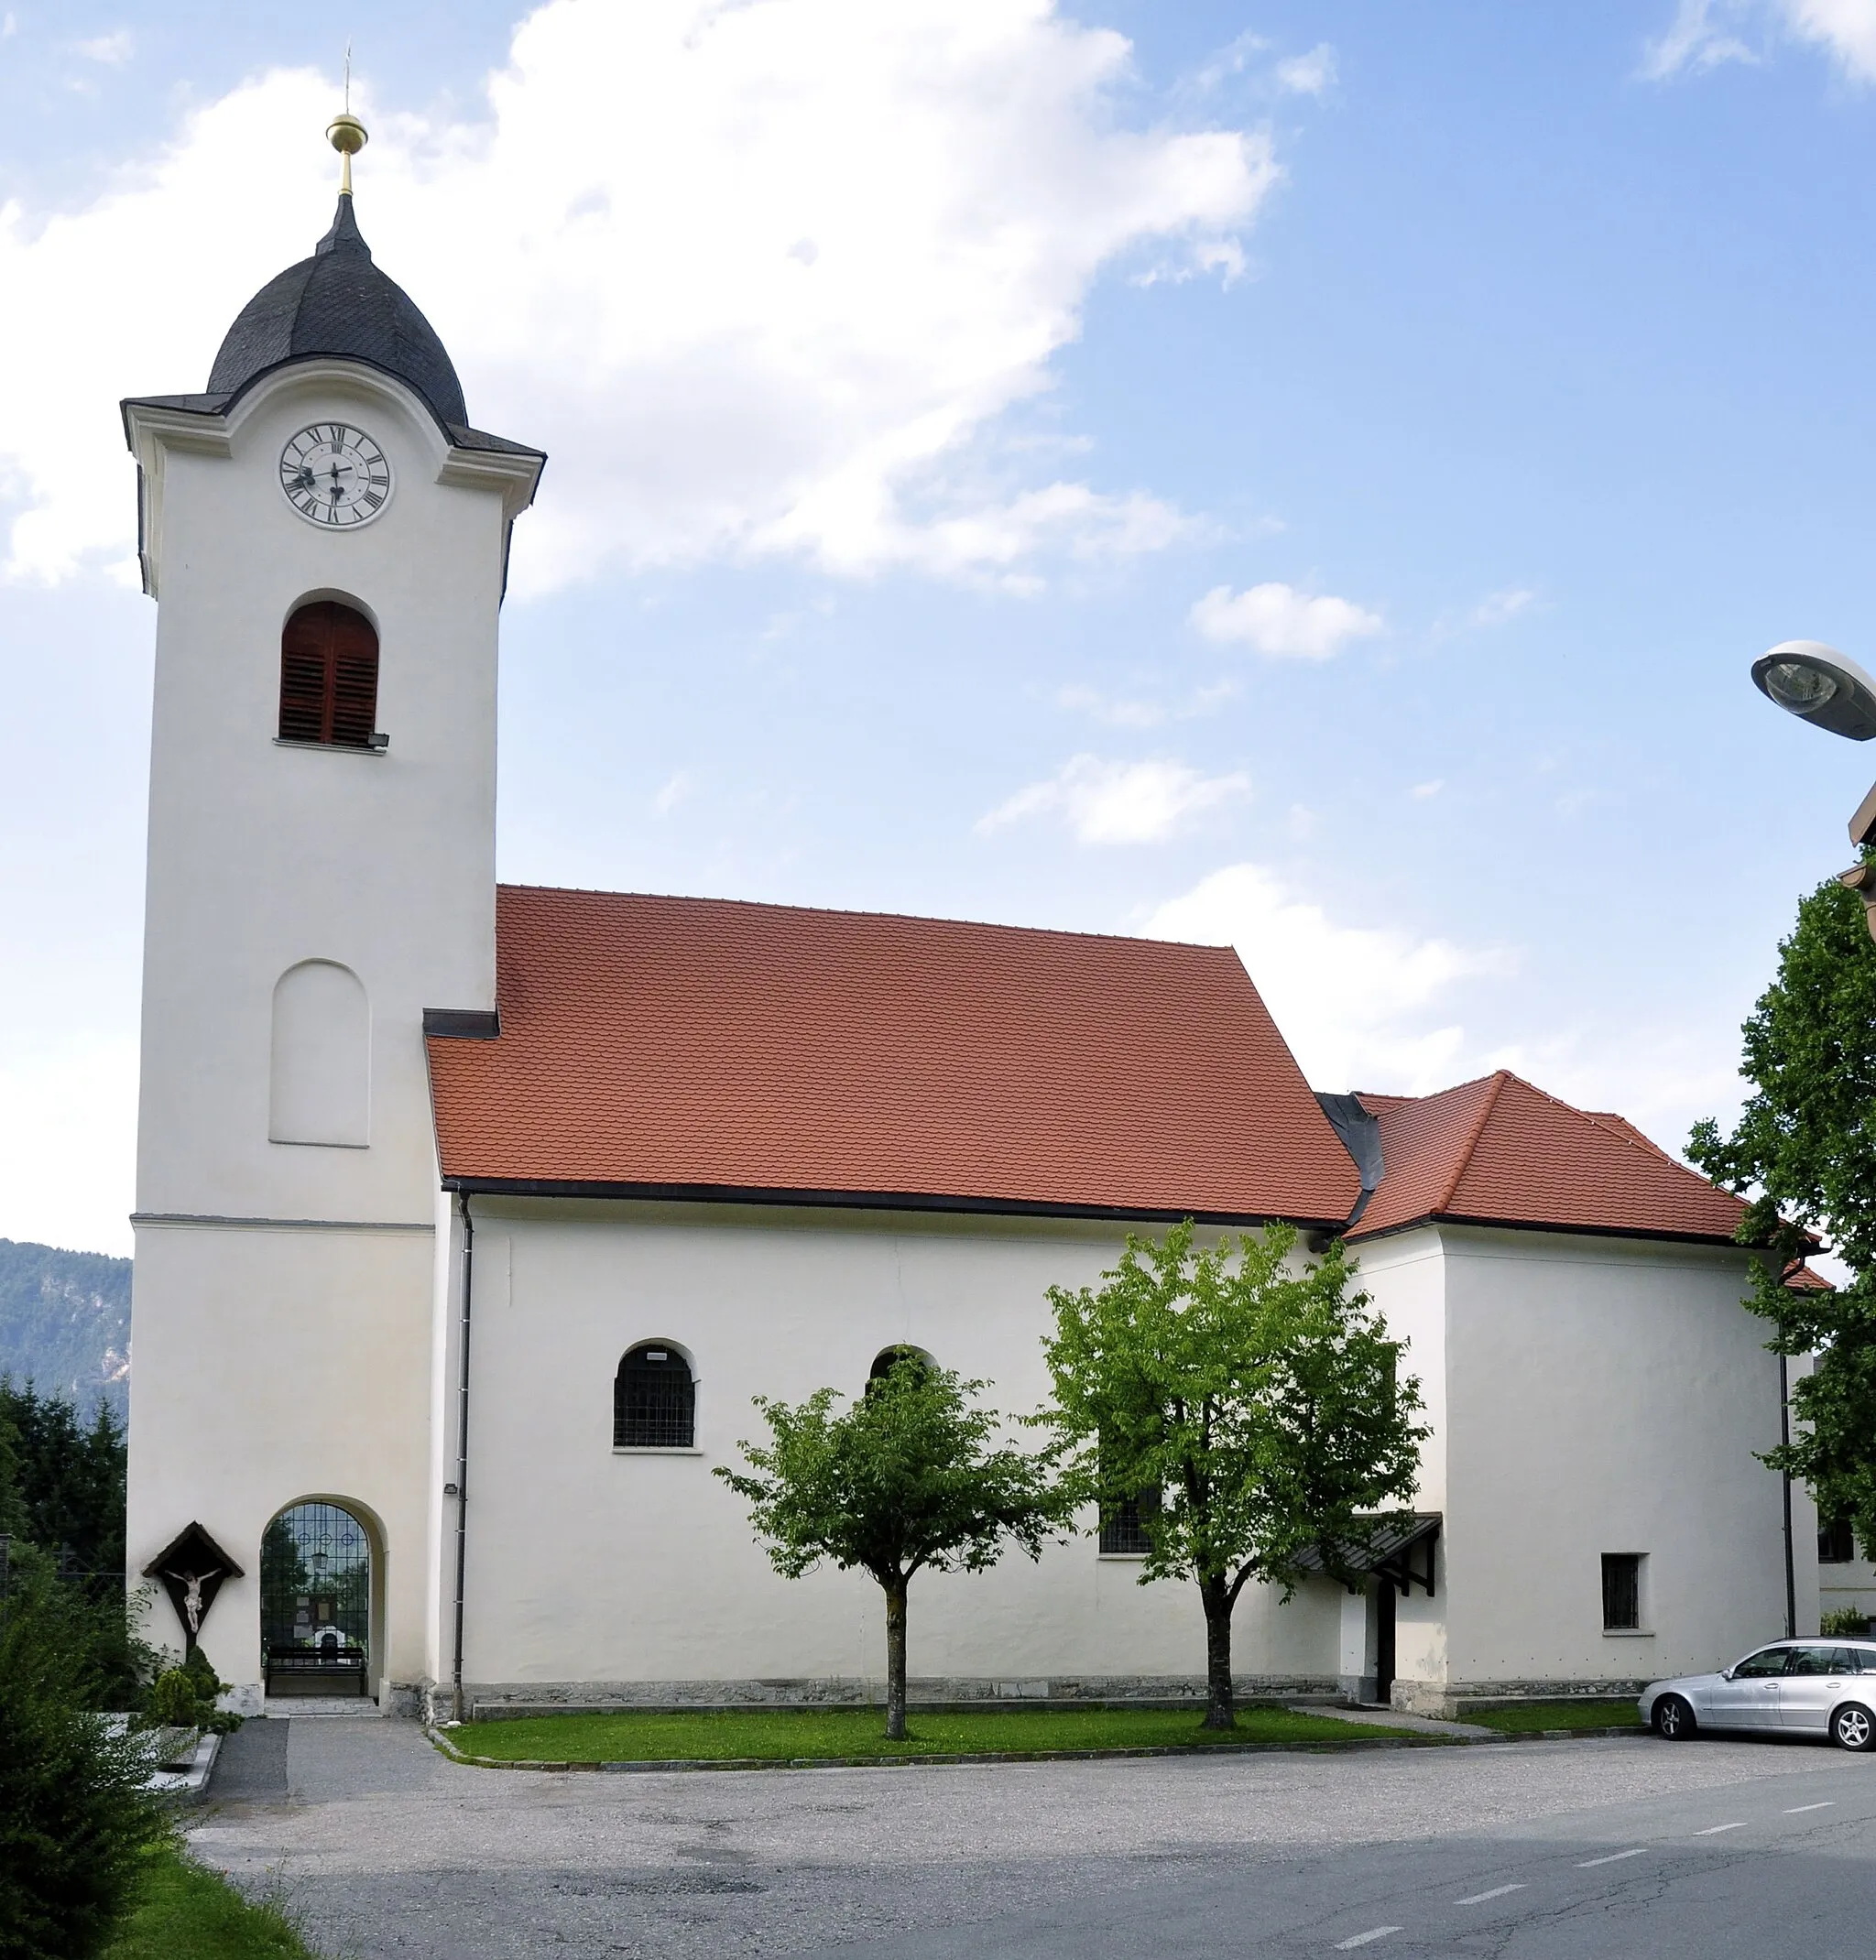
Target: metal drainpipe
{"type": "Point", "coordinates": [462, 1453]}
{"type": "Point", "coordinates": [1784, 1437]}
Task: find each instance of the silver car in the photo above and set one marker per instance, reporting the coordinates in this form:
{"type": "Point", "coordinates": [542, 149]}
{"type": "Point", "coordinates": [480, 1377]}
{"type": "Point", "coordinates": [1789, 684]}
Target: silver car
{"type": "Point", "coordinates": [1790, 1688]}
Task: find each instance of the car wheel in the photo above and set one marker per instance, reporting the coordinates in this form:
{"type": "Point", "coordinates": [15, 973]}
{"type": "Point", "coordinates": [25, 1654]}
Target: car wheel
{"type": "Point", "coordinates": [1853, 1727]}
{"type": "Point", "coordinates": [1674, 1718]}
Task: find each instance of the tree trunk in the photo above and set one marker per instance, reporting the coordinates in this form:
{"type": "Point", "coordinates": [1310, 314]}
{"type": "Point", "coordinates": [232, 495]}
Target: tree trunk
{"type": "Point", "coordinates": [895, 1661]}
{"type": "Point", "coordinates": [1220, 1709]}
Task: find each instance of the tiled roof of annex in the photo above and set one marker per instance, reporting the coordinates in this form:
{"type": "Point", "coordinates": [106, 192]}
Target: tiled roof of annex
{"type": "Point", "coordinates": [1501, 1151]}
{"type": "Point", "coordinates": [715, 1048]}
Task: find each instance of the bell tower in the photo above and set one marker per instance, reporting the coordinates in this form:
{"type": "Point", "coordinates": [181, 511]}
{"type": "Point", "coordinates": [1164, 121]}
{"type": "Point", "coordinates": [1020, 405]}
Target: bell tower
{"type": "Point", "coordinates": [326, 539]}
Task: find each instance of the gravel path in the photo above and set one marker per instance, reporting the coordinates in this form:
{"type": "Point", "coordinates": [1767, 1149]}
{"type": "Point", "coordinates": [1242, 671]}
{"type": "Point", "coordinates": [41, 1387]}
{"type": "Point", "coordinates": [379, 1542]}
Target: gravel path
{"type": "Point", "coordinates": [387, 1849]}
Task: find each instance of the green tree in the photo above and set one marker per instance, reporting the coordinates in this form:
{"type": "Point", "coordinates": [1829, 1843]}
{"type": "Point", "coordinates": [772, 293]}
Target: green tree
{"type": "Point", "coordinates": [1803, 1154]}
{"type": "Point", "coordinates": [905, 1480]}
{"type": "Point", "coordinates": [1261, 1401]}
{"type": "Point", "coordinates": [75, 1819]}
{"type": "Point", "coordinates": [69, 1478]}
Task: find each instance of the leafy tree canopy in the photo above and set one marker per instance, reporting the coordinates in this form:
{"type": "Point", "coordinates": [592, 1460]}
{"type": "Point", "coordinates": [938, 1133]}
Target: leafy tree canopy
{"type": "Point", "coordinates": [1803, 1154]}
{"type": "Point", "coordinates": [1259, 1396]}
{"type": "Point", "coordinates": [906, 1479]}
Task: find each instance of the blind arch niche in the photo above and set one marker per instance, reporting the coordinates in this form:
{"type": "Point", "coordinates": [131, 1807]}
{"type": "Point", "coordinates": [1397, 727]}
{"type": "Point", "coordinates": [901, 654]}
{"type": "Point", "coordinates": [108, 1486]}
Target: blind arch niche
{"type": "Point", "coordinates": [321, 1079]}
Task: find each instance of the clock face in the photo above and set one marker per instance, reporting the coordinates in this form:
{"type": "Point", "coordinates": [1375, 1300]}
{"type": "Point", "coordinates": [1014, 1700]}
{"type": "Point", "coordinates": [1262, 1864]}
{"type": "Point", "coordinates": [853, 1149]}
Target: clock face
{"type": "Point", "coordinates": [336, 476]}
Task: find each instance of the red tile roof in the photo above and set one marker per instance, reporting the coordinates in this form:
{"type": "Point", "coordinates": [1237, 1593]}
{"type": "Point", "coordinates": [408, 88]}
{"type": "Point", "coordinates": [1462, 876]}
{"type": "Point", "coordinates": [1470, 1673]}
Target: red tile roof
{"type": "Point", "coordinates": [1499, 1151]}
{"type": "Point", "coordinates": [700, 1045]}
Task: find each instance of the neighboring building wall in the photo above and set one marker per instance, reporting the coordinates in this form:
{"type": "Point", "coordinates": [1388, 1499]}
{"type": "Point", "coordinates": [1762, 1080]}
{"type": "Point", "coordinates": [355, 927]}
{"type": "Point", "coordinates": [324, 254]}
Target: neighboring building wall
{"type": "Point", "coordinates": [636, 1574]}
{"type": "Point", "coordinates": [1605, 1395]}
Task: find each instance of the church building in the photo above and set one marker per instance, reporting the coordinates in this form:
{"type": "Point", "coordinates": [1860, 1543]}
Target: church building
{"type": "Point", "coordinates": [471, 1217]}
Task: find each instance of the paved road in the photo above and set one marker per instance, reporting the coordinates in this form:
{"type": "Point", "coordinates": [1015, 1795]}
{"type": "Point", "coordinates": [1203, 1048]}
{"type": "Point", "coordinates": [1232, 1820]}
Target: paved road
{"type": "Point", "coordinates": [1553, 1851]}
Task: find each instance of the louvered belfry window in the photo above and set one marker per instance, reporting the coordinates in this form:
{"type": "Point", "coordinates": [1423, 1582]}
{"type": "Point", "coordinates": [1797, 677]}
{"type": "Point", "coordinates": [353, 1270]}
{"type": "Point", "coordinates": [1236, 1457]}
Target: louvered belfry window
{"type": "Point", "coordinates": [328, 676]}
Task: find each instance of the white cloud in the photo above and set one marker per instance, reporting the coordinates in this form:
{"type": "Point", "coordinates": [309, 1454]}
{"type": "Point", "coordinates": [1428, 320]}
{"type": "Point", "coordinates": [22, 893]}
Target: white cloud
{"type": "Point", "coordinates": [1498, 607]}
{"type": "Point", "coordinates": [1361, 1007]}
{"type": "Point", "coordinates": [1703, 35]}
{"type": "Point", "coordinates": [1308, 74]}
{"type": "Point", "coordinates": [1424, 791]}
{"type": "Point", "coordinates": [1695, 40]}
{"type": "Point", "coordinates": [111, 50]}
{"type": "Point", "coordinates": [69, 1135]}
{"type": "Point", "coordinates": [1120, 713]}
{"type": "Point", "coordinates": [761, 277]}
{"type": "Point", "coordinates": [1280, 621]}
{"type": "Point", "coordinates": [672, 793]}
{"type": "Point", "coordinates": [1119, 802]}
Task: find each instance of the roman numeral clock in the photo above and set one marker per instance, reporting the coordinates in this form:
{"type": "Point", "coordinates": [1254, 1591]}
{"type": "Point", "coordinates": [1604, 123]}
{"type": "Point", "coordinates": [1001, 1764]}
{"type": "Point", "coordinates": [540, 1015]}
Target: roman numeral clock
{"type": "Point", "coordinates": [335, 476]}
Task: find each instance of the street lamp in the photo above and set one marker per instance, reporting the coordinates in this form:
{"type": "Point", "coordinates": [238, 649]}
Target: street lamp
{"type": "Point", "coordinates": [1819, 685]}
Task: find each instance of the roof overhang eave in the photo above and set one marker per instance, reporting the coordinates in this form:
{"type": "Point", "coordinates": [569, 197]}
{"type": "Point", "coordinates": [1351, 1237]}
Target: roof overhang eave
{"type": "Point", "coordinates": [1367, 1235]}
{"type": "Point", "coordinates": [883, 1201]}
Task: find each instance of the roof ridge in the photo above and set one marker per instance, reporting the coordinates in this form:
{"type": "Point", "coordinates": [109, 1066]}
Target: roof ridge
{"type": "Point", "coordinates": [853, 911]}
{"type": "Point", "coordinates": [1498, 1078]}
{"type": "Point", "coordinates": [1612, 1123]}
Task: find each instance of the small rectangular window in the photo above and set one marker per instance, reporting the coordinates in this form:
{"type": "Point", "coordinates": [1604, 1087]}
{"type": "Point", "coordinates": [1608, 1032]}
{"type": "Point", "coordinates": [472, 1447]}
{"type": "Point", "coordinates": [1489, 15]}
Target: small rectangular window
{"type": "Point", "coordinates": [1622, 1592]}
{"type": "Point", "coordinates": [1837, 1543]}
{"type": "Point", "coordinates": [1124, 1530]}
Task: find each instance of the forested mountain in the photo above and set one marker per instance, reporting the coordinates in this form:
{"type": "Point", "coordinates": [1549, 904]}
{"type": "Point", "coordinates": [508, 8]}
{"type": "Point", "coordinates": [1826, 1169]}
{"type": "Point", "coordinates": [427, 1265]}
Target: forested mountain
{"type": "Point", "coordinates": [65, 1322]}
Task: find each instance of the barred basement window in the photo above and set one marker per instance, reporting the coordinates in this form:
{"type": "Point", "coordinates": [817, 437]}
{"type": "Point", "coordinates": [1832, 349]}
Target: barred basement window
{"type": "Point", "coordinates": [1622, 1592]}
{"type": "Point", "coordinates": [1837, 1543]}
{"type": "Point", "coordinates": [1124, 1528]}
{"type": "Point", "coordinates": [654, 1400]}
{"type": "Point", "coordinates": [328, 676]}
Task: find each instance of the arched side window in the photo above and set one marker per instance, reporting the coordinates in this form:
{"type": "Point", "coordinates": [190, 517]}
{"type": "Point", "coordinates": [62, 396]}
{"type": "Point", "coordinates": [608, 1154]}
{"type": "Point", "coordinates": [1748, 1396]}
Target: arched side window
{"type": "Point", "coordinates": [888, 1357]}
{"type": "Point", "coordinates": [654, 1400]}
{"type": "Point", "coordinates": [328, 676]}
{"type": "Point", "coordinates": [320, 1080]}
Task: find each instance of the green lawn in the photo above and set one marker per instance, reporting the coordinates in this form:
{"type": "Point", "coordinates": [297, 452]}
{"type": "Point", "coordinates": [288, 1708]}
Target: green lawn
{"type": "Point", "coordinates": [787, 1735]}
{"type": "Point", "coordinates": [187, 1913]}
{"type": "Point", "coordinates": [1532, 1717]}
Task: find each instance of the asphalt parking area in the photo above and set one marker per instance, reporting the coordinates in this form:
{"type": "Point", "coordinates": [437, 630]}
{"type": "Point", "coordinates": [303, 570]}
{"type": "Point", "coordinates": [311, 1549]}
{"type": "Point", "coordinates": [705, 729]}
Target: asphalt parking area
{"type": "Point", "coordinates": [1529, 1852]}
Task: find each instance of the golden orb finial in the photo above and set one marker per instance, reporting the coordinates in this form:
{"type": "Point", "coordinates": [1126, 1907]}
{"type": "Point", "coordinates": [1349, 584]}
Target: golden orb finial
{"type": "Point", "coordinates": [347, 136]}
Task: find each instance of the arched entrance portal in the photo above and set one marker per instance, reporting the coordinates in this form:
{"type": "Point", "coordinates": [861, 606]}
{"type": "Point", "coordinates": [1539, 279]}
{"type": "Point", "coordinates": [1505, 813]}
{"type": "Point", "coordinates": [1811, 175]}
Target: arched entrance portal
{"type": "Point", "coordinates": [315, 1602]}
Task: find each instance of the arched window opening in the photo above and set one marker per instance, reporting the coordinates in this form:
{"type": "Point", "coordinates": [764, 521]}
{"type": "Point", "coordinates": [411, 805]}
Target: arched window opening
{"type": "Point", "coordinates": [321, 1077]}
{"type": "Point", "coordinates": [315, 1602]}
{"type": "Point", "coordinates": [654, 1400]}
{"type": "Point", "coordinates": [887, 1358]}
{"type": "Point", "coordinates": [328, 676]}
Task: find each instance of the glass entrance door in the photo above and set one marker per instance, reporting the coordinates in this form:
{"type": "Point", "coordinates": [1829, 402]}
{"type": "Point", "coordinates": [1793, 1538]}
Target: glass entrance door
{"type": "Point", "coordinates": [315, 1602]}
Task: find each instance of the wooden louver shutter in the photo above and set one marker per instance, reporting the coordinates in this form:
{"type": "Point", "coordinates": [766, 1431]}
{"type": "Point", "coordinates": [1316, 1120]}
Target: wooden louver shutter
{"type": "Point", "coordinates": [328, 676]}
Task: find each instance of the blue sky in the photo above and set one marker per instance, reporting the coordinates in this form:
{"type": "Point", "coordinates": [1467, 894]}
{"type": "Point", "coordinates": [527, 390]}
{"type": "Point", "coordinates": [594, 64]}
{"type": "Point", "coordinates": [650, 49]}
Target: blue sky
{"type": "Point", "coordinates": [1309, 476]}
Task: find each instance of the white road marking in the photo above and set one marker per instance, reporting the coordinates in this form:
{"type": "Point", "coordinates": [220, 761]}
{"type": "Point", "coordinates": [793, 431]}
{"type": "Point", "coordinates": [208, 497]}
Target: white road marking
{"type": "Point", "coordinates": [1713, 1830]}
{"type": "Point", "coordinates": [1498, 1891]}
{"type": "Point", "coordinates": [1361, 1939]}
{"type": "Point", "coordinates": [1615, 1857]}
{"type": "Point", "coordinates": [1798, 1810]}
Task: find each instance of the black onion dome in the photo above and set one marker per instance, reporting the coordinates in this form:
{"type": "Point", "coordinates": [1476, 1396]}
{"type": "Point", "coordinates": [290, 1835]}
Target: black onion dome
{"type": "Point", "coordinates": [338, 302]}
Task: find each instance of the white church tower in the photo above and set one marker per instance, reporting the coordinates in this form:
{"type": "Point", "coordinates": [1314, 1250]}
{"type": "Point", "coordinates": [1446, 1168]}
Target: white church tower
{"type": "Point", "coordinates": [326, 540]}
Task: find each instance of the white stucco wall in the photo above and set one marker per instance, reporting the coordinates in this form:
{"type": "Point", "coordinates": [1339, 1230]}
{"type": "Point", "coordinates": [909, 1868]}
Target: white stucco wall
{"type": "Point", "coordinates": [276, 1364]}
{"type": "Point", "coordinates": [1606, 1395]}
{"type": "Point", "coordinates": [588, 1565]}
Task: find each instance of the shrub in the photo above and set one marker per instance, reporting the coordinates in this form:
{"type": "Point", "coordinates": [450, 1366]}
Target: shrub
{"type": "Point", "coordinates": [184, 1697]}
{"type": "Point", "coordinates": [1849, 1623]}
{"type": "Point", "coordinates": [75, 1817]}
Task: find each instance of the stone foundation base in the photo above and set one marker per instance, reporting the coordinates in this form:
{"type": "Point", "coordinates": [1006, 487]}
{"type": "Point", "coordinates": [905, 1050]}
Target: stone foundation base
{"type": "Point", "coordinates": [492, 1701]}
{"type": "Point", "coordinates": [1447, 1701]}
